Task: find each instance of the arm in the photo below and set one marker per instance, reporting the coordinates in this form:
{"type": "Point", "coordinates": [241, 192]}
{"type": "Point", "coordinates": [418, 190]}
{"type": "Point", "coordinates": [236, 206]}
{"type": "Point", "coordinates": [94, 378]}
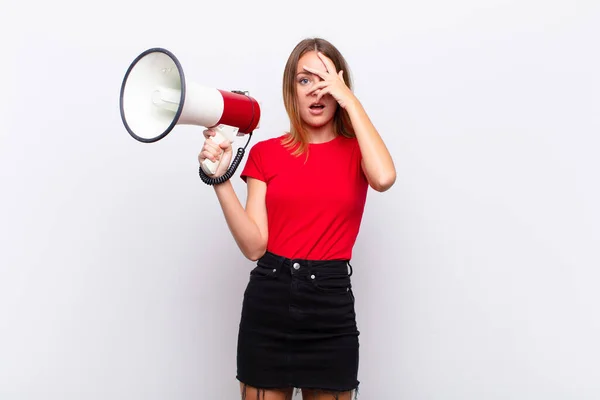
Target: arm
{"type": "Point", "coordinates": [377, 162]}
{"type": "Point", "coordinates": [248, 226]}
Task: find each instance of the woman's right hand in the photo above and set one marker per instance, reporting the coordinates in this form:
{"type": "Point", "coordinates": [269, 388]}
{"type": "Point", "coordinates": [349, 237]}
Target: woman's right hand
{"type": "Point", "coordinates": [215, 152]}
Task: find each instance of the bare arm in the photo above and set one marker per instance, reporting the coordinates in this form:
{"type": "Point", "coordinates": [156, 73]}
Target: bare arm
{"type": "Point", "coordinates": [248, 226]}
{"type": "Point", "coordinates": [377, 162]}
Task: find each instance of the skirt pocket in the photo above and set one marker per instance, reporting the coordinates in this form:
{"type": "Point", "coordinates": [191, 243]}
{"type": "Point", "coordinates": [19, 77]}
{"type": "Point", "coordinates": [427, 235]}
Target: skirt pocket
{"type": "Point", "coordinates": [331, 283]}
{"type": "Point", "coordinates": [263, 272]}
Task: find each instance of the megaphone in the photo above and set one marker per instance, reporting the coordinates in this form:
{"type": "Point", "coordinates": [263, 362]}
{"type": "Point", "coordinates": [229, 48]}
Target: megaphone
{"type": "Point", "coordinates": [155, 97]}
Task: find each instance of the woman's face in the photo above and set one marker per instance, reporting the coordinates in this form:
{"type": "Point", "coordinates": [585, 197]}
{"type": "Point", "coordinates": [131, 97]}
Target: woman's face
{"type": "Point", "coordinates": [312, 113]}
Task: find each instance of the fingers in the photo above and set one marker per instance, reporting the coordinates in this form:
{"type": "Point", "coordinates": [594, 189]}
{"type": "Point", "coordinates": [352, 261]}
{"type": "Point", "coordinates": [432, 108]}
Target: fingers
{"type": "Point", "coordinates": [204, 155]}
{"type": "Point", "coordinates": [225, 145]}
{"type": "Point", "coordinates": [327, 62]}
{"type": "Point", "coordinates": [208, 133]}
{"type": "Point", "coordinates": [209, 143]}
{"type": "Point", "coordinates": [319, 90]}
{"type": "Point", "coordinates": [210, 150]}
{"type": "Point", "coordinates": [325, 75]}
{"type": "Point", "coordinates": [321, 93]}
{"type": "Point", "coordinates": [321, 74]}
{"type": "Point", "coordinates": [317, 86]}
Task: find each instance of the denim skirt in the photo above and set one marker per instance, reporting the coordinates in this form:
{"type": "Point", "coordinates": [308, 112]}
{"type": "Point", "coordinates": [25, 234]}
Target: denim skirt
{"type": "Point", "coordinates": [298, 326]}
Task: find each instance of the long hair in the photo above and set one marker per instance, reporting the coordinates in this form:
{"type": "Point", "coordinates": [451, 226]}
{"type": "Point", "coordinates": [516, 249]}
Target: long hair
{"type": "Point", "coordinates": [297, 139]}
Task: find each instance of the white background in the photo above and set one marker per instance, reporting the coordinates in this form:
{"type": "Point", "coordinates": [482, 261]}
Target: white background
{"type": "Point", "coordinates": [476, 275]}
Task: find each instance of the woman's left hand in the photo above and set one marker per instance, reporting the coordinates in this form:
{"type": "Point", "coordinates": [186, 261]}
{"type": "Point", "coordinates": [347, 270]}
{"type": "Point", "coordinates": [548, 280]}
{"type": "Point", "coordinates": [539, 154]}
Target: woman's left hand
{"type": "Point", "coordinates": [332, 83]}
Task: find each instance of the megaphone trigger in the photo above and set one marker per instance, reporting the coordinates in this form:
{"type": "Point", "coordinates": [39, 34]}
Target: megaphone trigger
{"type": "Point", "coordinates": [222, 133]}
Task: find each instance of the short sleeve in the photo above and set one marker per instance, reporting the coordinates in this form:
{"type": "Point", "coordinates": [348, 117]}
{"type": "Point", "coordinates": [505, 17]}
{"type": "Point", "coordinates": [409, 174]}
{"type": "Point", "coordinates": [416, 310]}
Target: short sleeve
{"type": "Point", "coordinates": [357, 151]}
{"type": "Point", "coordinates": [357, 155]}
{"type": "Point", "coordinates": [254, 167]}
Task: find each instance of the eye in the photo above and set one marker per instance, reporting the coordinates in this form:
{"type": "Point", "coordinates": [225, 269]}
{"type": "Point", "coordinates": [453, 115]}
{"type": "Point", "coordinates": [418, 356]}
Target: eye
{"type": "Point", "coordinates": [303, 81]}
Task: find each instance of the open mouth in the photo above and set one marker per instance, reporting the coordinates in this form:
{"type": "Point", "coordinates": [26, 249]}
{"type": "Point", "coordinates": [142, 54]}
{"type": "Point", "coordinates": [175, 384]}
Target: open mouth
{"type": "Point", "coordinates": [317, 106]}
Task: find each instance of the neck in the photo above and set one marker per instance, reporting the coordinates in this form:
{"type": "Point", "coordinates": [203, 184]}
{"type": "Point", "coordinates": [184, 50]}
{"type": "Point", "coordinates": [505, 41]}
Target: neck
{"type": "Point", "coordinates": [321, 134]}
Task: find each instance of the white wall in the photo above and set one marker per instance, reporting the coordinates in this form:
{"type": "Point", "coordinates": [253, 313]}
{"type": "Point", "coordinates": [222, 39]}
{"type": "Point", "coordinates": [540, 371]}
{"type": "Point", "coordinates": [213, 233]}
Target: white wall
{"type": "Point", "coordinates": [476, 276]}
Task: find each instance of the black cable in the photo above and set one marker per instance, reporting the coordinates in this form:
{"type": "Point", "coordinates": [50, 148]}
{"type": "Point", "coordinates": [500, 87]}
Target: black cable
{"type": "Point", "coordinates": [236, 160]}
{"type": "Point", "coordinates": [229, 173]}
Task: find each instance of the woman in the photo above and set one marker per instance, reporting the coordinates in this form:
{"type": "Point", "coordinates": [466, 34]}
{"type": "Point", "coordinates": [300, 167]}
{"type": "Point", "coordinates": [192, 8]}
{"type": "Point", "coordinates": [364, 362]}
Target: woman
{"type": "Point", "coordinates": [306, 195]}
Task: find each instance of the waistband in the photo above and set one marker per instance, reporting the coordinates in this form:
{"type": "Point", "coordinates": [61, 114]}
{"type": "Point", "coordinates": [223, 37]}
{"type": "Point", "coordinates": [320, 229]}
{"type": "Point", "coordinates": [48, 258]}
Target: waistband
{"type": "Point", "coordinates": [295, 263]}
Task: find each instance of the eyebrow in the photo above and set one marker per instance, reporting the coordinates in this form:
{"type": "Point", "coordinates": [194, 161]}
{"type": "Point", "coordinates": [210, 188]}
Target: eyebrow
{"type": "Point", "coordinates": [304, 73]}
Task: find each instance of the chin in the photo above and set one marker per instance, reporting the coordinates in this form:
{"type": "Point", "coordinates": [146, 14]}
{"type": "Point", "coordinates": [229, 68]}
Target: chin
{"type": "Point", "coordinates": [317, 122]}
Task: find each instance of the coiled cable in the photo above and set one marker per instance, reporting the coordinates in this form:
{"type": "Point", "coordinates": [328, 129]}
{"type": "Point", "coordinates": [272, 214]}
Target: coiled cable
{"type": "Point", "coordinates": [230, 171]}
{"type": "Point", "coordinates": [236, 160]}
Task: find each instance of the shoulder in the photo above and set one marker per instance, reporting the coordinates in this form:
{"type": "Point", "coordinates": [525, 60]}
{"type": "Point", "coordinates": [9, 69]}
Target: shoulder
{"type": "Point", "coordinates": [265, 158]}
{"type": "Point", "coordinates": [266, 152]}
{"type": "Point", "coordinates": [269, 144]}
{"type": "Point", "coordinates": [349, 151]}
{"type": "Point", "coordinates": [347, 145]}
{"type": "Point", "coordinates": [349, 141]}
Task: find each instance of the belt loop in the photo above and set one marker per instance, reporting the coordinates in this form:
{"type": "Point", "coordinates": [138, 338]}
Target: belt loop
{"type": "Point", "coordinates": [351, 269]}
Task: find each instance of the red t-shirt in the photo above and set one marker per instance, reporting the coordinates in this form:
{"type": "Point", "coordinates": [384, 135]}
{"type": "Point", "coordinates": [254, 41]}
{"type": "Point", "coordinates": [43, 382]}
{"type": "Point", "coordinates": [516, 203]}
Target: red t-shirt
{"type": "Point", "coordinates": [315, 205]}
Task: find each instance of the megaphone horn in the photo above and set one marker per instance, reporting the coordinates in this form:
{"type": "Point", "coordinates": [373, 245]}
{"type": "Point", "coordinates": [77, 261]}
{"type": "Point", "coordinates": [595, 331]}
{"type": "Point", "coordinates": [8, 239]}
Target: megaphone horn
{"type": "Point", "coordinates": [155, 97]}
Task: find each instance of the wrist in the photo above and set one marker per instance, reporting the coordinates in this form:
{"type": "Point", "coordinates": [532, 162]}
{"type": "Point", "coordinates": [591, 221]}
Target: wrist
{"type": "Point", "coordinates": [219, 187]}
{"type": "Point", "coordinates": [353, 105]}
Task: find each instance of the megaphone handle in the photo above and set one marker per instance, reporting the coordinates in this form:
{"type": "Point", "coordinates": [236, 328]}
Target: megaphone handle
{"type": "Point", "coordinates": [208, 166]}
{"type": "Point", "coordinates": [235, 163]}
